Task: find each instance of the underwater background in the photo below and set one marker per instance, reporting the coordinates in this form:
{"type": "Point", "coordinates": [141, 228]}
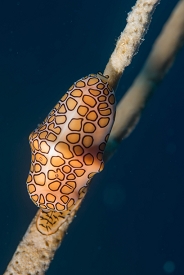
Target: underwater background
{"type": "Point", "coordinates": [131, 221]}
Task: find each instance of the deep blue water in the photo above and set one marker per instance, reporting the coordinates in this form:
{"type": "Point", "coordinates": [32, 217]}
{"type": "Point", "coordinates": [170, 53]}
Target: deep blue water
{"type": "Point", "coordinates": [45, 47]}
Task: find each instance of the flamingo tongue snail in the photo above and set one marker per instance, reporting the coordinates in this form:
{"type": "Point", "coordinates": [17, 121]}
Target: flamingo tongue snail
{"type": "Point", "coordinates": [67, 149]}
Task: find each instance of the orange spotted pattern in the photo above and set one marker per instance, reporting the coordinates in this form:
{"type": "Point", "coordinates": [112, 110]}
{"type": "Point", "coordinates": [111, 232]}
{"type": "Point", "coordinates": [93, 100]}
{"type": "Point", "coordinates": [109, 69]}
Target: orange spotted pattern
{"type": "Point", "coordinates": [67, 148]}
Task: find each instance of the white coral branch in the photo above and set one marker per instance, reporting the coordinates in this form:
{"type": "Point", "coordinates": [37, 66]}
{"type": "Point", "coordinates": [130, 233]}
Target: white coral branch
{"type": "Point", "coordinates": [35, 251]}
